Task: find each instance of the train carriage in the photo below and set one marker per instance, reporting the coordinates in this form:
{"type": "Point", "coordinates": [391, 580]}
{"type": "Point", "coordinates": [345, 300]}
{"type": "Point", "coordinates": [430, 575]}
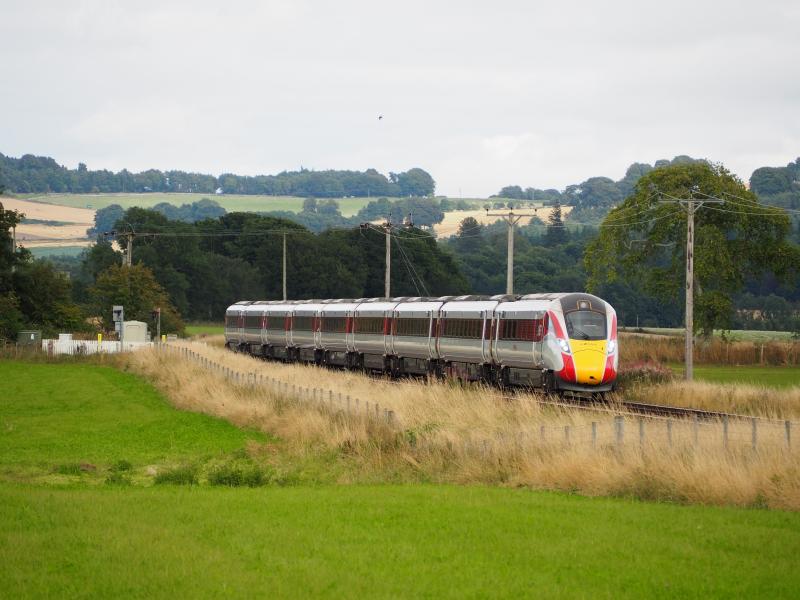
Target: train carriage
{"type": "Point", "coordinates": [336, 332]}
{"type": "Point", "coordinates": [277, 315]}
{"type": "Point", "coordinates": [371, 332]}
{"type": "Point", "coordinates": [303, 333]}
{"type": "Point", "coordinates": [463, 337]}
{"type": "Point", "coordinates": [413, 336]}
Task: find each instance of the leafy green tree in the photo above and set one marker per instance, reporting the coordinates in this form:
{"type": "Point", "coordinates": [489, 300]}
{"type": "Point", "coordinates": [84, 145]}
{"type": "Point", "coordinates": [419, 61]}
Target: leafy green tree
{"type": "Point", "coordinates": [556, 232]}
{"type": "Point", "coordinates": [643, 239]}
{"type": "Point", "coordinates": [414, 182]}
{"type": "Point", "coordinates": [135, 288]}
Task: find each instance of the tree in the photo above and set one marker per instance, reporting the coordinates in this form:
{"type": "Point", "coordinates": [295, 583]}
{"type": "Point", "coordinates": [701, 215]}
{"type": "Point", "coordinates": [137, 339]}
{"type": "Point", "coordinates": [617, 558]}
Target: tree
{"type": "Point", "coordinates": [556, 233]}
{"type": "Point", "coordinates": [644, 239]}
{"type": "Point", "coordinates": [135, 288]}
{"type": "Point", "coordinates": [310, 205]}
{"type": "Point", "coordinates": [415, 182]}
{"type": "Point", "coordinates": [106, 218]}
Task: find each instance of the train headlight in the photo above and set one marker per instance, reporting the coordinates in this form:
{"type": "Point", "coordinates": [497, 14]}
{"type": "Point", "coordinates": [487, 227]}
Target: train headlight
{"type": "Point", "coordinates": [612, 346]}
{"type": "Point", "coordinates": [564, 345]}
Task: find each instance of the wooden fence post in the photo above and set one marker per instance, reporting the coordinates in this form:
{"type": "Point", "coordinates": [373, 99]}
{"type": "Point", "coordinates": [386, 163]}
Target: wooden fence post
{"type": "Point", "coordinates": [754, 423]}
{"type": "Point", "coordinates": [541, 432]}
{"type": "Point", "coordinates": [641, 433]}
{"type": "Point", "coordinates": [696, 429]}
{"type": "Point", "coordinates": [566, 434]}
{"type": "Point", "coordinates": [619, 431]}
{"type": "Point", "coordinates": [594, 435]}
{"type": "Point", "coordinates": [788, 433]}
{"type": "Point", "coordinates": [669, 432]}
{"type": "Point", "coordinates": [725, 431]}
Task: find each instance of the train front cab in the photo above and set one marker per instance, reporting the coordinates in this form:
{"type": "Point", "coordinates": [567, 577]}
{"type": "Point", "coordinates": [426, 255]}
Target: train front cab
{"type": "Point", "coordinates": [585, 331]}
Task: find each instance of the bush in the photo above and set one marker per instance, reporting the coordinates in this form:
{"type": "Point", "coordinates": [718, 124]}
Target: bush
{"type": "Point", "coordinates": [183, 475]}
{"type": "Point", "coordinates": [648, 373]}
{"type": "Point", "coordinates": [68, 469]}
{"type": "Point", "coordinates": [236, 476]}
{"type": "Point", "coordinates": [122, 465]}
{"type": "Point", "coordinates": [117, 478]}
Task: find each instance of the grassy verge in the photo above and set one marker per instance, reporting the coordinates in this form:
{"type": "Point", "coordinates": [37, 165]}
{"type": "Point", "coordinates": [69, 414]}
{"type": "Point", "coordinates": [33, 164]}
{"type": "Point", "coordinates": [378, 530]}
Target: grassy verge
{"type": "Point", "coordinates": [205, 329]}
{"type": "Point", "coordinates": [776, 377]}
{"type": "Point", "coordinates": [71, 422]}
{"type": "Point", "coordinates": [384, 541]}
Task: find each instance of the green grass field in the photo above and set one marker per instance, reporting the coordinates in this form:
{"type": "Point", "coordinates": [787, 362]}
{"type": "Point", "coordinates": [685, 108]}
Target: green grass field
{"type": "Point", "coordinates": [205, 329]}
{"type": "Point", "coordinates": [231, 202]}
{"type": "Point", "coordinates": [737, 335]}
{"type": "Point", "coordinates": [45, 251]}
{"type": "Point", "coordinates": [779, 377]}
{"type": "Point", "coordinates": [74, 535]}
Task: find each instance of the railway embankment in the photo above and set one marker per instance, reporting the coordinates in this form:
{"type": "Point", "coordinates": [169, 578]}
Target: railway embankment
{"type": "Point", "coordinates": [380, 430]}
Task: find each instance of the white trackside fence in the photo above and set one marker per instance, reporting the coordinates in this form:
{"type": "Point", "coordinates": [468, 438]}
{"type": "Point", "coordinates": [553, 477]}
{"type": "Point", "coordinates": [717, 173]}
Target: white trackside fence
{"type": "Point", "coordinates": [86, 347]}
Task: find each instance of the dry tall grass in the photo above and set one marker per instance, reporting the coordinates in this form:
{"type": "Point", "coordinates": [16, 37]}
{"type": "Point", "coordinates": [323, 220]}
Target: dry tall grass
{"type": "Point", "coordinates": [447, 433]}
{"type": "Point", "coordinates": [755, 400]}
{"type": "Point", "coordinates": [661, 348]}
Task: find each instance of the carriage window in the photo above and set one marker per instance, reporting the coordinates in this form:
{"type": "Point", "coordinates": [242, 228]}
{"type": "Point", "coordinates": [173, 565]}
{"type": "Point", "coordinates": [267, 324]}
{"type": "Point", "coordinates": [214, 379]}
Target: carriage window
{"type": "Point", "coordinates": [522, 330]}
{"type": "Point", "coordinates": [586, 325]}
{"type": "Point", "coordinates": [252, 321]}
{"type": "Point", "coordinates": [334, 324]}
{"type": "Point", "coordinates": [302, 323]}
{"type": "Point", "coordinates": [409, 327]}
{"type": "Point", "coordinates": [463, 328]}
{"type": "Point", "coordinates": [368, 325]}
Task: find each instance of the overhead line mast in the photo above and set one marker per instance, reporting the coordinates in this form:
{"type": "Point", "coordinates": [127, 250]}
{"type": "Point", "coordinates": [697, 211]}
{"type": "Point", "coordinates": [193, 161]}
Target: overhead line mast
{"type": "Point", "coordinates": [511, 218]}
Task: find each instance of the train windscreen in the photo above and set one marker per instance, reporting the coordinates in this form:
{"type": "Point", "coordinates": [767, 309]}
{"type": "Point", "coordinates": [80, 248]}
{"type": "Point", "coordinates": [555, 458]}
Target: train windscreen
{"type": "Point", "coordinates": [585, 325]}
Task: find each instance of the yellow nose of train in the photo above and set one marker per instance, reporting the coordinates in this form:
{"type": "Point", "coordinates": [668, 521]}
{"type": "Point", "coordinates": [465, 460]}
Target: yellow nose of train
{"type": "Point", "coordinates": [590, 360]}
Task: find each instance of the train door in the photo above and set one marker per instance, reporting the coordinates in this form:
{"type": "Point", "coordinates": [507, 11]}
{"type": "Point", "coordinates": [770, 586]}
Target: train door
{"type": "Point", "coordinates": [540, 324]}
{"type": "Point", "coordinates": [486, 335]}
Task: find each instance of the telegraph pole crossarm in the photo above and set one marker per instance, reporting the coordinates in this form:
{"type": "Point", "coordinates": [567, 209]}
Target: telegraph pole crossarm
{"type": "Point", "coordinates": [511, 218]}
{"type": "Point", "coordinates": [387, 228]}
{"type": "Point", "coordinates": [692, 205]}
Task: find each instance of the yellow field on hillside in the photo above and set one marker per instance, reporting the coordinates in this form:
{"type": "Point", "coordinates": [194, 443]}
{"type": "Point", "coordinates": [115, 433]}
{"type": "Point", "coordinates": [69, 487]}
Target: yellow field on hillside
{"type": "Point", "coordinates": [449, 226]}
{"type": "Point", "coordinates": [73, 233]}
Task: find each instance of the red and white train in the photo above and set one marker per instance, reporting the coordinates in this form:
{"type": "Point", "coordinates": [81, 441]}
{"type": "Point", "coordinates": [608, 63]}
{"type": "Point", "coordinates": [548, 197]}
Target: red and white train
{"type": "Point", "coordinates": [558, 342]}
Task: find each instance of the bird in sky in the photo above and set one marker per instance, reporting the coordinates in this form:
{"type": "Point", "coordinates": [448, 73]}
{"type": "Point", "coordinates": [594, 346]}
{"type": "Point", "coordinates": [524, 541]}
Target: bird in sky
{"type": "Point", "coordinates": [380, 117]}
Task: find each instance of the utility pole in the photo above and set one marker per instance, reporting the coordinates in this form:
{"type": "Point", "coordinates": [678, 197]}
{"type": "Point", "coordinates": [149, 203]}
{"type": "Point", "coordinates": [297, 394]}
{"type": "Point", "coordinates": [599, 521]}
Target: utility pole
{"type": "Point", "coordinates": [387, 228]}
{"type": "Point", "coordinates": [692, 205]}
{"type": "Point", "coordinates": [13, 248]}
{"type": "Point", "coordinates": [129, 250]}
{"type": "Point", "coordinates": [511, 218]}
{"type": "Point", "coordinates": [284, 267]}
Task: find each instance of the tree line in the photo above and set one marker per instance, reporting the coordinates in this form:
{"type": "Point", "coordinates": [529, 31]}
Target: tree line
{"type": "Point", "coordinates": [592, 199]}
{"type": "Point", "coordinates": [41, 174]}
{"type": "Point", "coordinates": [193, 271]}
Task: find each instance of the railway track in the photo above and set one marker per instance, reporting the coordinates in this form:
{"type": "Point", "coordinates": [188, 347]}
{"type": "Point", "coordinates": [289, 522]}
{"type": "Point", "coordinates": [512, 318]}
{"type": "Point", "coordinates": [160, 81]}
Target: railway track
{"type": "Point", "coordinates": [642, 409]}
{"type": "Point", "coordinates": [622, 407]}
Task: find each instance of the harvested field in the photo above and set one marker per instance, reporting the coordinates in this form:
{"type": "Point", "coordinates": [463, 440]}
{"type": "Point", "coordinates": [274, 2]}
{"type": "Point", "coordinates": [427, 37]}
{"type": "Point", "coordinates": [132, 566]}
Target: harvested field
{"type": "Point", "coordinates": [449, 226]}
{"type": "Point", "coordinates": [35, 234]}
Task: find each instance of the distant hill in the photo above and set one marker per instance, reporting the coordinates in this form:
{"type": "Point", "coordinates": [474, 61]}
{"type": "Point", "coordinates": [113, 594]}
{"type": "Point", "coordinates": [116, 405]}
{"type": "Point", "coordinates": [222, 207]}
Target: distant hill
{"type": "Point", "coordinates": [593, 198]}
{"type": "Point", "coordinates": [31, 174]}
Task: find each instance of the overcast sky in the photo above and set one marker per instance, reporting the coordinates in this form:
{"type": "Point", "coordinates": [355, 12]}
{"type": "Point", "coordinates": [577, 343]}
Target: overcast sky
{"type": "Point", "coordinates": [480, 94]}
